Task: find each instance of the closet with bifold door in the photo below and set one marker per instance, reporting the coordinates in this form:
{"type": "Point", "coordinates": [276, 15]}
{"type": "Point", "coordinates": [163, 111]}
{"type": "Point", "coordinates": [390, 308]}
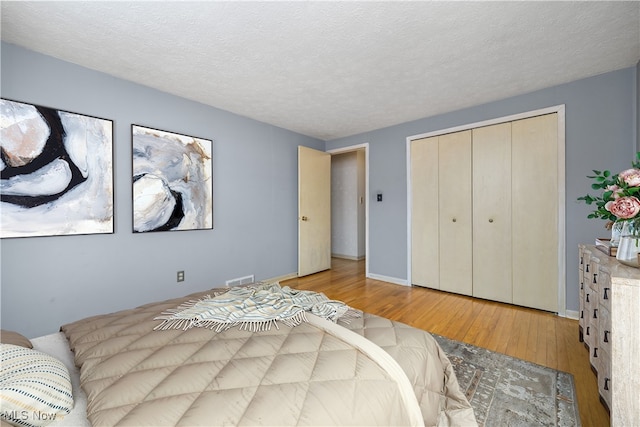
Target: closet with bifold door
{"type": "Point", "coordinates": [484, 212]}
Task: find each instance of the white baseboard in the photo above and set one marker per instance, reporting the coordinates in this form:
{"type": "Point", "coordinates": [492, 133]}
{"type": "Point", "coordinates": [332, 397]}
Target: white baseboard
{"type": "Point", "coordinates": [393, 280]}
{"type": "Point", "coordinates": [572, 314]}
{"type": "Point", "coordinates": [349, 257]}
{"type": "Point", "coordinates": [281, 278]}
{"type": "Point", "coordinates": [382, 278]}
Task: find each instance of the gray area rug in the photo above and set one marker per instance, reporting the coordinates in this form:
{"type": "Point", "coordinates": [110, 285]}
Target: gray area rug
{"type": "Point", "coordinates": [506, 391]}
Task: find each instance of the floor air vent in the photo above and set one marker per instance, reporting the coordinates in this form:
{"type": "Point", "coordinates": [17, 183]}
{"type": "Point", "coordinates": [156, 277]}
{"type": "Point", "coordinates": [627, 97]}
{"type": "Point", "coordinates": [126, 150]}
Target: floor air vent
{"type": "Point", "coordinates": [241, 281]}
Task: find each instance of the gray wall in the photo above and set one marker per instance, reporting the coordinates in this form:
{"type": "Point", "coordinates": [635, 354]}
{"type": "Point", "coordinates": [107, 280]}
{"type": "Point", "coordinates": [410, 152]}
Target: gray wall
{"type": "Point", "coordinates": [48, 281]}
{"type": "Point", "coordinates": [600, 134]}
{"type": "Point", "coordinates": [638, 106]}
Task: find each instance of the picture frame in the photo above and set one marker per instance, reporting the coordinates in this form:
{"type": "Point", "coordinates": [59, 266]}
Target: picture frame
{"type": "Point", "coordinates": [56, 176]}
{"type": "Point", "coordinates": [172, 182]}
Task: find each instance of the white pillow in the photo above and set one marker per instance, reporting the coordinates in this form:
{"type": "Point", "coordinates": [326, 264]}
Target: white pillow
{"type": "Point", "coordinates": [35, 388]}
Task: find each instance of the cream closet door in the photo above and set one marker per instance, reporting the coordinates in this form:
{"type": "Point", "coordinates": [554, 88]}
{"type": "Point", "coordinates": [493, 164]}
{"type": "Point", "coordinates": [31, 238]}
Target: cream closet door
{"type": "Point", "coordinates": [492, 273]}
{"type": "Point", "coordinates": [454, 200]}
{"type": "Point", "coordinates": [425, 228]}
{"type": "Point", "coordinates": [535, 212]}
{"type": "Point", "coordinates": [484, 216]}
{"type": "Point", "coordinates": [441, 212]}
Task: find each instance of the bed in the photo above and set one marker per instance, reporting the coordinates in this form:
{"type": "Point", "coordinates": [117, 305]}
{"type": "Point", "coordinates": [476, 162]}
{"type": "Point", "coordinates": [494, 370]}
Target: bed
{"type": "Point", "coordinates": [148, 366]}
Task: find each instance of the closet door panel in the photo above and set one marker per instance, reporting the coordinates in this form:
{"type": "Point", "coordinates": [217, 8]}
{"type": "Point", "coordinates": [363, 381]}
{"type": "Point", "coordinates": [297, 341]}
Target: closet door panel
{"type": "Point", "coordinates": [492, 213]}
{"type": "Point", "coordinates": [424, 213]}
{"type": "Point", "coordinates": [455, 211]}
{"type": "Point", "coordinates": [535, 212]}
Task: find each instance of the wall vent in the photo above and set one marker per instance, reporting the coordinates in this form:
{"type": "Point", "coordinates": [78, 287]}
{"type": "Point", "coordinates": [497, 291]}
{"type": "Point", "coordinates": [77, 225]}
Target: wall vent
{"type": "Point", "coordinates": [241, 281]}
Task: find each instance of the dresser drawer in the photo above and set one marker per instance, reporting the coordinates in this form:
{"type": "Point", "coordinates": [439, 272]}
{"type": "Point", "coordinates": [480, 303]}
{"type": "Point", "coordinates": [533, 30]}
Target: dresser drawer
{"type": "Point", "coordinates": [581, 262]}
{"type": "Point", "coordinates": [604, 378]}
{"type": "Point", "coordinates": [587, 269]}
{"type": "Point", "coordinates": [587, 279]}
{"type": "Point", "coordinates": [590, 303]}
{"type": "Point", "coordinates": [591, 279]}
{"type": "Point", "coordinates": [591, 335]}
{"type": "Point", "coordinates": [581, 318]}
{"type": "Point", "coordinates": [604, 288]}
{"type": "Point", "coordinates": [604, 329]}
{"type": "Point", "coordinates": [594, 348]}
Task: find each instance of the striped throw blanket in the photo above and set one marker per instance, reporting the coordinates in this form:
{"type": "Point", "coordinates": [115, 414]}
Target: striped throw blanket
{"type": "Point", "coordinates": [254, 308]}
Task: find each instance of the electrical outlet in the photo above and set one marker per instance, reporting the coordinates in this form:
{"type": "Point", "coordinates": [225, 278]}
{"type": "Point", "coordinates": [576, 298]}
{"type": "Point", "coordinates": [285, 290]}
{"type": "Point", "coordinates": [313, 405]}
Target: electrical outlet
{"type": "Point", "coordinates": [181, 276]}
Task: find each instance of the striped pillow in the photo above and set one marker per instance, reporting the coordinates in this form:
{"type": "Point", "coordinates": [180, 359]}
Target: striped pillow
{"type": "Point", "coordinates": [35, 388]}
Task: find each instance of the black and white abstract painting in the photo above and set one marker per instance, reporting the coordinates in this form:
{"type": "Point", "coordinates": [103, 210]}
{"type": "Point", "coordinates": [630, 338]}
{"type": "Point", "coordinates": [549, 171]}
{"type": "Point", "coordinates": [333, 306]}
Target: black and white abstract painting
{"type": "Point", "coordinates": [56, 172]}
{"type": "Point", "coordinates": [172, 181]}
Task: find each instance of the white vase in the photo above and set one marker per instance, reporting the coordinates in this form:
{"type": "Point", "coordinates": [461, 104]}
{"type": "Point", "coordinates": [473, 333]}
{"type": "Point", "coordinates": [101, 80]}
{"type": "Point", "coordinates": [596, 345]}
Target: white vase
{"type": "Point", "coordinates": [629, 245]}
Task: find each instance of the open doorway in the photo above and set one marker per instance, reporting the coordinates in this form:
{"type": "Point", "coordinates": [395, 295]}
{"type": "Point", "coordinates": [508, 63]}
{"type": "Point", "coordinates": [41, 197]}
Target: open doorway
{"type": "Point", "coordinates": [349, 203]}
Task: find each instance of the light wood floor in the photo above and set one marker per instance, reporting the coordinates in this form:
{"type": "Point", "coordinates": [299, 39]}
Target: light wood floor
{"type": "Point", "coordinates": [528, 334]}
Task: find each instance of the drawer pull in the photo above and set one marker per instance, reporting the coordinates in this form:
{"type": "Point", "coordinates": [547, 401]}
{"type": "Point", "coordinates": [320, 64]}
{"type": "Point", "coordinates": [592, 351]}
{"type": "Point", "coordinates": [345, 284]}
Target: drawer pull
{"type": "Point", "coordinates": [606, 383]}
{"type": "Point", "coordinates": [595, 313]}
{"type": "Point", "coordinates": [582, 314]}
{"type": "Point", "coordinates": [606, 296]}
{"type": "Point", "coordinates": [606, 336]}
{"type": "Point", "coordinates": [595, 277]}
{"type": "Point", "coordinates": [587, 268]}
{"type": "Point", "coordinates": [595, 352]}
{"type": "Point", "coordinates": [581, 260]}
{"type": "Point", "coordinates": [588, 330]}
{"type": "Point", "coordinates": [581, 285]}
{"type": "Point", "coordinates": [587, 297]}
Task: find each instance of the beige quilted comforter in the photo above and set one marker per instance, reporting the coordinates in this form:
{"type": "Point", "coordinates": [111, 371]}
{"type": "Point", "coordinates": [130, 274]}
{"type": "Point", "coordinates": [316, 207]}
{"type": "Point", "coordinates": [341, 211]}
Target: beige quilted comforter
{"type": "Point", "coordinates": [316, 373]}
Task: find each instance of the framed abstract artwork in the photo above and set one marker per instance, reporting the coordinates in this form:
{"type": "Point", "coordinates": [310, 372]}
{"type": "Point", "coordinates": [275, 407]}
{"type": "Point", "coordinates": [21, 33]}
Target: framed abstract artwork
{"type": "Point", "coordinates": [172, 181]}
{"type": "Point", "coordinates": [56, 175]}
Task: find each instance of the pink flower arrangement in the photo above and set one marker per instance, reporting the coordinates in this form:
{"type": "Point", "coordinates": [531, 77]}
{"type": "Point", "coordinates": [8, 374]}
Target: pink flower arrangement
{"type": "Point", "coordinates": [620, 194]}
{"type": "Point", "coordinates": [624, 207]}
{"type": "Point", "coordinates": [631, 177]}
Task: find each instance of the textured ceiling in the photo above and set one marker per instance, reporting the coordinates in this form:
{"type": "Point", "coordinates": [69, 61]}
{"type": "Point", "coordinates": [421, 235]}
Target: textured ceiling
{"type": "Point", "coordinates": [333, 69]}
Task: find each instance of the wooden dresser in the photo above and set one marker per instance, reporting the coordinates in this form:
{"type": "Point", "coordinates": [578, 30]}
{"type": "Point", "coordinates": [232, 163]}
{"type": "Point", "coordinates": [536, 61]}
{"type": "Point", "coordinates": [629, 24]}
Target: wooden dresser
{"type": "Point", "coordinates": [610, 328]}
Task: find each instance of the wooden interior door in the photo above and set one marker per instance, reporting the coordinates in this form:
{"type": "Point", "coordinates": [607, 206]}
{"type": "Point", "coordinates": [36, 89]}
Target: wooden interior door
{"type": "Point", "coordinates": [492, 213]}
{"type": "Point", "coordinates": [425, 227]}
{"type": "Point", "coordinates": [535, 212]}
{"type": "Point", "coordinates": [455, 212]}
{"type": "Point", "coordinates": [314, 211]}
